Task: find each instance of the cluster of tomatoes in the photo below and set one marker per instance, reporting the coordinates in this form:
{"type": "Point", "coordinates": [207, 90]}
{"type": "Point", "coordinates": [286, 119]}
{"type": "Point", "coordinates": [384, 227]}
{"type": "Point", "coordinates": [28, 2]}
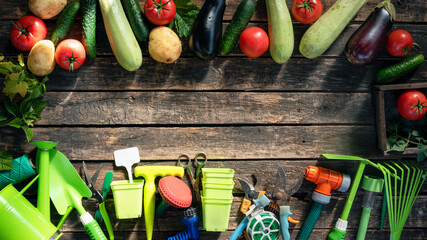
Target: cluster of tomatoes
{"type": "Point", "coordinates": [254, 41]}
{"type": "Point", "coordinates": [27, 31]}
{"type": "Point", "coordinates": [411, 104]}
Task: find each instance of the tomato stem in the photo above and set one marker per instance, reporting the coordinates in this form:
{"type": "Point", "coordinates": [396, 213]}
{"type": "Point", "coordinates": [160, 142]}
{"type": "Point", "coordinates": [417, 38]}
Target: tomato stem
{"type": "Point", "coordinates": [159, 6]}
{"type": "Point", "coordinates": [419, 106]}
{"type": "Point", "coordinates": [307, 5]}
{"type": "Point", "coordinates": [22, 29]}
{"type": "Point", "coordinates": [71, 60]}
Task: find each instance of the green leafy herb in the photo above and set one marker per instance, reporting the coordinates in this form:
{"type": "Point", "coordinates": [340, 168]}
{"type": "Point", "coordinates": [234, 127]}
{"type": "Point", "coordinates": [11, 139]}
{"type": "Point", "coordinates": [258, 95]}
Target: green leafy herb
{"type": "Point", "coordinates": [186, 14]}
{"type": "Point", "coordinates": [5, 161]}
{"type": "Point", "coordinates": [22, 89]}
{"type": "Point", "coordinates": [401, 135]}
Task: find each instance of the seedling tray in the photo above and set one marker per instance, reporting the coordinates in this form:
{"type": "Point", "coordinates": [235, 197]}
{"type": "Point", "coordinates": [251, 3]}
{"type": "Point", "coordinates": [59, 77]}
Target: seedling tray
{"type": "Point", "coordinates": [386, 99]}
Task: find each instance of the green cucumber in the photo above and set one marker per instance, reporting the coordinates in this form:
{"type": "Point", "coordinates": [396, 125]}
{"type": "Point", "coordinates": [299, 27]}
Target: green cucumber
{"type": "Point", "coordinates": [88, 13]}
{"type": "Point", "coordinates": [280, 30]}
{"type": "Point", "coordinates": [136, 20]}
{"type": "Point", "coordinates": [65, 22]}
{"type": "Point", "coordinates": [400, 69]}
{"type": "Point", "coordinates": [238, 23]}
{"type": "Point", "coordinates": [320, 36]}
{"type": "Point", "coordinates": [122, 40]}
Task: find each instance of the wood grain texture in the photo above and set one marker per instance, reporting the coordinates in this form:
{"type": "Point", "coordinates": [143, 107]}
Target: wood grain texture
{"type": "Point", "coordinates": [407, 11]}
{"type": "Point", "coordinates": [163, 143]}
{"type": "Point", "coordinates": [331, 74]}
{"type": "Point", "coordinates": [142, 108]}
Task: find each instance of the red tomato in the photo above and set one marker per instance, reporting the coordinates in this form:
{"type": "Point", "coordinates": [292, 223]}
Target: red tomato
{"type": "Point", "coordinates": [26, 32]}
{"type": "Point", "coordinates": [412, 104]}
{"type": "Point", "coordinates": [70, 54]}
{"type": "Point", "coordinates": [160, 12]}
{"type": "Point", "coordinates": [399, 43]}
{"type": "Point", "coordinates": [306, 11]}
{"type": "Point", "coordinates": [253, 42]}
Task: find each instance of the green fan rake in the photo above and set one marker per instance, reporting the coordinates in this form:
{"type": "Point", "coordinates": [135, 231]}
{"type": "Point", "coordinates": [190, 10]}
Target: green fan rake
{"type": "Point", "coordinates": [403, 181]}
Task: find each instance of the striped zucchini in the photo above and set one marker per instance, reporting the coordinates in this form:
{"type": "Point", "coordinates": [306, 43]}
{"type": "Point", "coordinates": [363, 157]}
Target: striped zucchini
{"type": "Point", "coordinates": [120, 35]}
{"type": "Point", "coordinates": [280, 30]}
{"type": "Point", "coordinates": [320, 36]}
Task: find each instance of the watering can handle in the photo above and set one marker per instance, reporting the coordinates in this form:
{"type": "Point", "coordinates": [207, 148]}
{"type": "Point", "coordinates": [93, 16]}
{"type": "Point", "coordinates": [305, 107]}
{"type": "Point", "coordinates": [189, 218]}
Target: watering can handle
{"type": "Point", "coordinates": [92, 227]}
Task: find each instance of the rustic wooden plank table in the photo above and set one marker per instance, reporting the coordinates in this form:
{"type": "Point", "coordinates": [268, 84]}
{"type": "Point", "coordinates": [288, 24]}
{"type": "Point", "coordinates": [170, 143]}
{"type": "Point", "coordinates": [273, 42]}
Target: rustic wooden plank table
{"type": "Point", "coordinates": [246, 114]}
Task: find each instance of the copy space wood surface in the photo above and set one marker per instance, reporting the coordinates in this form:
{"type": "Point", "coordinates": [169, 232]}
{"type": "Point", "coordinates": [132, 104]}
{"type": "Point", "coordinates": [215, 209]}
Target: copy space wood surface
{"type": "Point", "coordinates": [246, 114]}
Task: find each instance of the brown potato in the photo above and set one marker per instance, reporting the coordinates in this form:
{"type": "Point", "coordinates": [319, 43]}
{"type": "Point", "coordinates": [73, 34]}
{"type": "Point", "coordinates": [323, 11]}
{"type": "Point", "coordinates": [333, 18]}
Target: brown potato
{"type": "Point", "coordinates": [46, 9]}
{"type": "Point", "coordinates": [164, 45]}
{"type": "Point", "coordinates": [41, 60]}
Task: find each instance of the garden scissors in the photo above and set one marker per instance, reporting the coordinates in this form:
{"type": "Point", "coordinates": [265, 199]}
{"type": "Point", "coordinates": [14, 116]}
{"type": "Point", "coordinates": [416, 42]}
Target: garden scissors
{"type": "Point", "coordinates": [194, 180]}
{"type": "Point", "coordinates": [98, 196]}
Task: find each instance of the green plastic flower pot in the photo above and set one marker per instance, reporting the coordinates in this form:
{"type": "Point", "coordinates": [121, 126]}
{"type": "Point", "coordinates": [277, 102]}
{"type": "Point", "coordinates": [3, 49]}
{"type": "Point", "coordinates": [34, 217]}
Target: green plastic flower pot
{"type": "Point", "coordinates": [216, 213]}
{"type": "Point", "coordinates": [218, 180]}
{"type": "Point", "coordinates": [128, 198]}
{"type": "Point", "coordinates": [19, 219]}
{"type": "Point", "coordinates": [218, 190]}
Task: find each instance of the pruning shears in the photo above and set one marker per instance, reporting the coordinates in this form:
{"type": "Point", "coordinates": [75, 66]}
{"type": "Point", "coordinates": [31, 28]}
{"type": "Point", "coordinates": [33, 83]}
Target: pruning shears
{"type": "Point", "coordinates": [260, 201]}
{"type": "Point", "coordinates": [101, 213]}
{"type": "Point", "coordinates": [280, 196]}
{"type": "Point", "coordinates": [252, 194]}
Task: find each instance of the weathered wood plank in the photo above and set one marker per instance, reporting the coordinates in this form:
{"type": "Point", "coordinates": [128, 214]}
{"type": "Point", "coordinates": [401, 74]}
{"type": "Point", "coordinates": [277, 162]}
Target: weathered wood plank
{"type": "Point", "coordinates": [104, 49]}
{"type": "Point", "coordinates": [163, 143]}
{"type": "Point", "coordinates": [221, 74]}
{"type": "Point", "coordinates": [111, 108]}
{"type": "Point", "coordinates": [407, 11]}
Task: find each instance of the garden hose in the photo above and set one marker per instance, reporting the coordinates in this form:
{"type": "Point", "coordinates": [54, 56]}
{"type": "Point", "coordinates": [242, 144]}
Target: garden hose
{"type": "Point", "coordinates": [311, 220]}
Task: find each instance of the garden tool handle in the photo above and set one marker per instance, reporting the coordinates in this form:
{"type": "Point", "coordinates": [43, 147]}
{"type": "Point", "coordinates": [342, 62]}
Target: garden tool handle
{"type": "Point", "coordinates": [43, 197]}
{"type": "Point", "coordinates": [92, 227]}
{"type": "Point", "coordinates": [363, 224]}
{"type": "Point", "coordinates": [239, 229]}
{"type": "Point", "coordinates": [285, 212]}
{"type": "Point", "coordinates": [310, 222]}
{"type": "Point", "coordinates": [107, 221]}
{"type": "Point", "coordinates": [246, 203]}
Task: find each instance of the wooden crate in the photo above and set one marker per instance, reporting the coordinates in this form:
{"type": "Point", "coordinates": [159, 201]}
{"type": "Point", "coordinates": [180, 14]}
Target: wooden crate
{"type": "Point", "coordinates": [386, 99]}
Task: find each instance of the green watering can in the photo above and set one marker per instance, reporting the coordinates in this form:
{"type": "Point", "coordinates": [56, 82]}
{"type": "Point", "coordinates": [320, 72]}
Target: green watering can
{"type": "Point", "coordinates": [19, 219]}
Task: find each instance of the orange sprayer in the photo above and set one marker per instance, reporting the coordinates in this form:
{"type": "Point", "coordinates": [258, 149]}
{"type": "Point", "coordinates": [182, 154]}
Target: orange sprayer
{"type": "Point", "coordinates": [326, 180]}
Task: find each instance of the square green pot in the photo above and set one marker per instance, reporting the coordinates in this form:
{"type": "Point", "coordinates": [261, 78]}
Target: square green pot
{"type": "Point", "coordinates": [218, 190]}
{"type": "Point", "coordinates": [128, 198]}
{"type": "Point", "coordinates": [216, 213]}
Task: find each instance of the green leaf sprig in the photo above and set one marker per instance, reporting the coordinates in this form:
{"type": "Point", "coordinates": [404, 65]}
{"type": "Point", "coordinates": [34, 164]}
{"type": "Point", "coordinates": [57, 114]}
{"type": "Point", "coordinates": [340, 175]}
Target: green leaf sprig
{"type": "Point", "coordinates": [402, 135]}
{"type": "Point", "coordinates": [5, 161]}
{"type": "Point", "coordinates": [22, 92]}
{"type": "Point", "coordinates": [186, 14]}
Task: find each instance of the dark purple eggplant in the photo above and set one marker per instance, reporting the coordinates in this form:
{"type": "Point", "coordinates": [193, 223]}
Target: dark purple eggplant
{"type": "Point", "coordinates": [370, 38]}
{"type": "Point", "coordinates": [207, 30]}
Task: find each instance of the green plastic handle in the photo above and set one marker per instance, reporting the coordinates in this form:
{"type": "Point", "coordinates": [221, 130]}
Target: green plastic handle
{"type": "Point", "coordinates": [94, 231]}
{"type": "Point", "coordinates": [43, 197]}
{"type": "Point", "coordinates": [310, 222]}
{"type": "Point", "coordinates": [106, 220]}
{"type": "Point", "coordinates": [285, 212]}
{"type": "Point", "coordinates": [363, 225]}
{"type": "Point", "coordinates": [107, 182]}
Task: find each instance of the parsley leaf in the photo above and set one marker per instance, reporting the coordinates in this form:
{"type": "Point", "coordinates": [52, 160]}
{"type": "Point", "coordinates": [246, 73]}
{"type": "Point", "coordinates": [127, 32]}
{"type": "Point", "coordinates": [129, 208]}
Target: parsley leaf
{"type": "Point", "coordinates": [5, 161]}
{"type": "Point", "coordinates": [186, 14]}
{"type": "Point", "coordinates": [22, 105]}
